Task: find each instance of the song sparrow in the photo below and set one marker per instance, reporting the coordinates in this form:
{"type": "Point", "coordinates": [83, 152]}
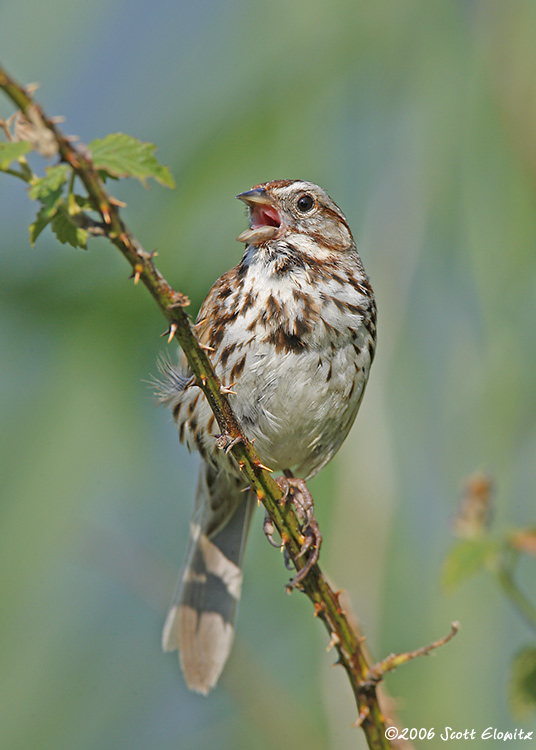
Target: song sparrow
{"type": "Point", "coordinates": [292, 329]}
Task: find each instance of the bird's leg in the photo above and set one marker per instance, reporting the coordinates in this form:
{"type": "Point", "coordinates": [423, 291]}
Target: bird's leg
{"type": "Point", "coordinates": [301, 499]}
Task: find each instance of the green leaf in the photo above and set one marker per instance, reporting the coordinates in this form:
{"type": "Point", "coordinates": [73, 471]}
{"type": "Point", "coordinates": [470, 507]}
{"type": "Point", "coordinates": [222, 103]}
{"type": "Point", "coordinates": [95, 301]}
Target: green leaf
{"type": "Point", "coordinates": [67, 231]}
{"type": "Point", "coordinates": [36, 227]}
{"type": "Point", "coordinates": [84, 202]}
{"type": "Point", "coordinates": [121, 155]}
{"type": "Point", "coordinates": [466, 558]}
{"type": "Point", "coordinates": [54, 179]}
{"type": "Point", "coordinates": [104, 175]}
{"type": "Point", "coordinates": [51, 201]}
{"type": "Point", "coordinates": [12, 151]}
{"type": "Point", "coordinates": [523, 682]}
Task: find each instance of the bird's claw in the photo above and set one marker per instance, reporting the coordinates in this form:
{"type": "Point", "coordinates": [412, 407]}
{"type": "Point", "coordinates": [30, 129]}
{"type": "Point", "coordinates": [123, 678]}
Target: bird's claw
{"type": "Point", "coordinates": [225, 442]}
{"type": "Point", "coordinates": [301, 499]}
{"type": "Point", "coordinates": [269, 528]}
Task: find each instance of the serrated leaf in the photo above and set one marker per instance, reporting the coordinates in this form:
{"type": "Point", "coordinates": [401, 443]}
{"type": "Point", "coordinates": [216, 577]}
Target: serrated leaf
{"type": "Point", "coordinates": [13, 150]}
{"type": "Point", "coordinates": [523, 682]}
{"type": "Point", "coordinates": [39, 223]}
{"type": "Point", "coordinates": [465, 559]}
{"type": "Point", "coordinates": [55, 178]}
{"type": "Point", "coordinates": [121, 155]}
{"type": "Point", "coordinates": [66, 231]}
{"type": "Point", "coordinates": [50, 203]}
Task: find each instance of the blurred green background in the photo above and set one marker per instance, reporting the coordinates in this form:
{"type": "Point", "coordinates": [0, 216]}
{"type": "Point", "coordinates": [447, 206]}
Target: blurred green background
{"type": "Point", "coordinates": [419, 118]}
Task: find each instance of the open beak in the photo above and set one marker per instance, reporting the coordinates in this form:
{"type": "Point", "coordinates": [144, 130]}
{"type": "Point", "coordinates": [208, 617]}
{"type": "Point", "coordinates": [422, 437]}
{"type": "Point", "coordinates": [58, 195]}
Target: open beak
{"type": "Point", "coordinates": [264, 217]}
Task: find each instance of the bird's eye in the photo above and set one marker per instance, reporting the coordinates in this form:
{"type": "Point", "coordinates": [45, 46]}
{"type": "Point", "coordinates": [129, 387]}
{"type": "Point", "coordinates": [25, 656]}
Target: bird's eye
{"type": "Point", "coordinates": [305, 203]}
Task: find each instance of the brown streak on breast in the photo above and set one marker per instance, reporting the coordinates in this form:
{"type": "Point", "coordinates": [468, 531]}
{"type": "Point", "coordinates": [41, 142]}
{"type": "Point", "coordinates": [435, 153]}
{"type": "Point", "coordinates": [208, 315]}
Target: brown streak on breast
{"type": "Point", "coordinates": [216, 336]}
{"type": "Point", "coordinates": [369, 325]}
{"type": "Point", "coordinates": [226, 353]}
{"type": "Point", "coordinates": [198, 439]}
{"type": "Point", "coordinates": [302, 326]}
{"type": "Point", "coordinates": [238, 369]}
{"type": "Point", "coordinates": [248, 303]}
{"type": "Point", "coordinates": [329, 328]}
{"type": "Point", "coordinates": [357, 369]}
{"type": "Point", "coordinates": [284, 341]}
{"type": "Point", "coordinates": [273, 308]}
{"type": "Point", "coordinates": [192, 405]}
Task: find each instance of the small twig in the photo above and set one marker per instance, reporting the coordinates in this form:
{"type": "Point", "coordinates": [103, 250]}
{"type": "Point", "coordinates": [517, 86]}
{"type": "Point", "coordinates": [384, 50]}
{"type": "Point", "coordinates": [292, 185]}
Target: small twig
{"type": "Point", "coordinates": [379, 670]}
{"type": "Point", "coordinates": [14, 173]}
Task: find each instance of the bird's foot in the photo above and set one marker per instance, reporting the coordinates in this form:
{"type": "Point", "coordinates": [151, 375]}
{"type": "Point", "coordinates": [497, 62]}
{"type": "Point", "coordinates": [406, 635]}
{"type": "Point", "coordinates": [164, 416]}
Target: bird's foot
{"type": "Point", "coordinates": [295, 491]}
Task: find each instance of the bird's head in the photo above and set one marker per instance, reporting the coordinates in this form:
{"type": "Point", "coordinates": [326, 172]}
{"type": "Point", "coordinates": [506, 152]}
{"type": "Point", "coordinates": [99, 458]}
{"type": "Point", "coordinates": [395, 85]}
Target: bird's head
{"type": "Point", "coordinates": [282, 208]}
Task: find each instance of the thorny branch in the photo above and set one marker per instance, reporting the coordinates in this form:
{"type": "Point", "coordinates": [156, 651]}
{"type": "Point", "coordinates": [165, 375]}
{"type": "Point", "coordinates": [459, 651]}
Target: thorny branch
{"type": "Point", "coordinates": [49, 140]}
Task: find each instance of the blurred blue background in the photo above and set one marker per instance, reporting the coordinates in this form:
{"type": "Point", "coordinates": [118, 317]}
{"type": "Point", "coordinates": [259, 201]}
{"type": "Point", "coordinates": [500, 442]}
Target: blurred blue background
{"type": "Point", "coordinates": [419, 119]}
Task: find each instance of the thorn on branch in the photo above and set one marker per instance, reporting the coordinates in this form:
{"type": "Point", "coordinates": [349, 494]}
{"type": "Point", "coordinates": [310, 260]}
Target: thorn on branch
{"type": "Point", "coordinates": [136, 273]}
{"type": "Point", "coordinates": [361, 718]}
{"type": "Point", "coordinates": [125, 239]}
{"type": "Point", "coordinates": [333, 641]}
{"type": "Point", "coordinates": [31, 88]}
{"type": "Point", "coordinates": [170, 332]}
{"type": "Point", "coordinates": [229, 390]}
{"type": "Point", "coordinates": [116, 202]}
{"type": "Point", "coordinates": [107, 220]}
{"type": "Point", "coordinates": [337, 595]}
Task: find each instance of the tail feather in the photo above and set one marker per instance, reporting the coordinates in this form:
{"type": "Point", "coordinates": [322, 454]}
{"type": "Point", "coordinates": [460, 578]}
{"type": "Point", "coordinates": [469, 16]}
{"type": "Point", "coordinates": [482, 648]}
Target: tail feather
{"type": "Point", "coordinates": [200, 622]}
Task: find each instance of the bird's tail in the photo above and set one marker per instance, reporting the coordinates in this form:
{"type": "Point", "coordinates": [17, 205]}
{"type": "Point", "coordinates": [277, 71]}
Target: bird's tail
{"type": "Point", "coordinates": [200, 621]}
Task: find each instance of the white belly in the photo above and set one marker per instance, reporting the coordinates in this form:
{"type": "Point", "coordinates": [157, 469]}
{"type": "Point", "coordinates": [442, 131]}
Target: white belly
{"type": "Point", "coordinates": [299, 407]}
